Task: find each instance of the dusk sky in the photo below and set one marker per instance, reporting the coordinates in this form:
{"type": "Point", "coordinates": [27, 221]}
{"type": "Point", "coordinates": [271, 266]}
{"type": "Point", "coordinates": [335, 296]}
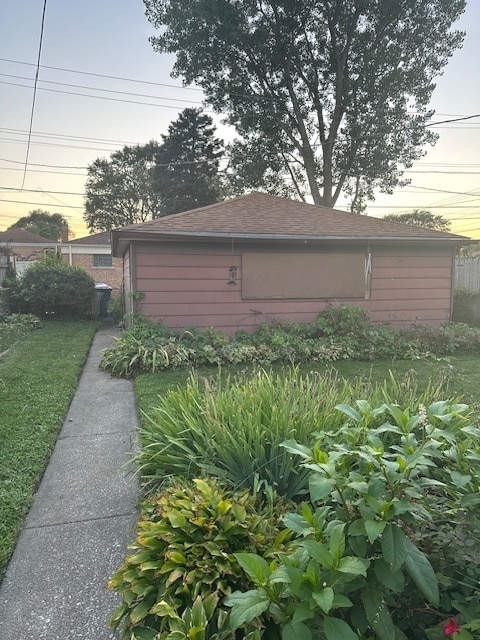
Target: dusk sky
{"type": "Point", "coordinates": [80, 116]}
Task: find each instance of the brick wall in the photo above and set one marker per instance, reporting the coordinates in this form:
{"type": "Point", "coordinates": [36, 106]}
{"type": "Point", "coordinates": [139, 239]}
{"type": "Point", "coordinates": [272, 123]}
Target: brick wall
{"type": "Point", "coordinates": [109, 275]}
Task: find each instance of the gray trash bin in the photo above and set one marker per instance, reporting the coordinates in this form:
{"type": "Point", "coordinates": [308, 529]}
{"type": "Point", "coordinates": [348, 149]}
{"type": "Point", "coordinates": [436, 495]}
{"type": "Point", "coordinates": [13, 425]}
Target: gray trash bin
{"type": "Point", "coordinates": [103, 292]}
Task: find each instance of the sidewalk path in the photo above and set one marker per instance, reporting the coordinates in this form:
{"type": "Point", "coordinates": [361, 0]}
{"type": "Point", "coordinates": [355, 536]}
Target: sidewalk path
{"type": "Point", "coordinates": [82, 519]}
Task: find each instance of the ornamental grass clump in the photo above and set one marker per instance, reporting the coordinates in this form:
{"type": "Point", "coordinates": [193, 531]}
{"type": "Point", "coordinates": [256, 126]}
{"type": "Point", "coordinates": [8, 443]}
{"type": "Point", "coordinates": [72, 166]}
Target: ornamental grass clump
{"type": "Point", "coordinates": [233, 427]}
{"type": "Point", "coordinates": [182, 565]}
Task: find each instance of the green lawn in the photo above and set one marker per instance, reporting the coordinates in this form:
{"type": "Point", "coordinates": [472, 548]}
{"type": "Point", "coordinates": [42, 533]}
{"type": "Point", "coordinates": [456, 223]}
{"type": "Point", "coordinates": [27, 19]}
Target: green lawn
{"type": "Point", "coordinates": [38, 376]}
{"type": "Point", "coordinates": [459, 375]}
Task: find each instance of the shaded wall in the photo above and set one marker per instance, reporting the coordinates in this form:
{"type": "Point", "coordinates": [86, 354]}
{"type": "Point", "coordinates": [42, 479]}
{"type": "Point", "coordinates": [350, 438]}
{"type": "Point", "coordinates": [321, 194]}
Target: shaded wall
{"type": "Point", "coordinates": [190, 284]}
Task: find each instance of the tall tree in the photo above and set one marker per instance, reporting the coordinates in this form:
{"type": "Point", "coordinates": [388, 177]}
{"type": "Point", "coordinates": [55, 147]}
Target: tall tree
{"type": "Point", "coordinates": [336, 91]}
{"type": "Point", "coordinates": [48, 225]}
{"type": "Point", "coordinates": [186, 171]}
{"type": "Point", "coordinates": [119, 191]}
{"type": "Point", "coordinates": [421, 218]}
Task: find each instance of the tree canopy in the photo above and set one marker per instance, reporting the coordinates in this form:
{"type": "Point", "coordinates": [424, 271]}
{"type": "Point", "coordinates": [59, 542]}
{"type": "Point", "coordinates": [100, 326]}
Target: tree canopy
{"type": "Point", "coordinates": [48, 225]}
{"type": "Point", "coordinates": [148, 181]}
{"type": "Point", "coordinates": [186, 171]}
{"type": "Point", "coordinates": [119, 191]}
{"type": "Point", "coordinates": [327, 96]}
{"type": "Point", "coordinates": [421, 218]}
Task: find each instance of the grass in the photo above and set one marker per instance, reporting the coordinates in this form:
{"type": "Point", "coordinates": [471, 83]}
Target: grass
{"type": "Point", "coordinates": [38, 376]}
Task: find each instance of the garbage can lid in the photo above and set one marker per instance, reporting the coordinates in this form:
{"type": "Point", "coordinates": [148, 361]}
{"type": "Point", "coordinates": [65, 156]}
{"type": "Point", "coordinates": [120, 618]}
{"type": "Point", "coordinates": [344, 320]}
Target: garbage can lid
{"type": "Point", "coordinates": [102, 285]}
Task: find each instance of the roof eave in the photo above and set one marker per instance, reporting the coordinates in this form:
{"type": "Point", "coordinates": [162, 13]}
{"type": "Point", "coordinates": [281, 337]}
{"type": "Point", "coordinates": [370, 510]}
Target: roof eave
{"type": "Point", "coordinates": [120, 238]}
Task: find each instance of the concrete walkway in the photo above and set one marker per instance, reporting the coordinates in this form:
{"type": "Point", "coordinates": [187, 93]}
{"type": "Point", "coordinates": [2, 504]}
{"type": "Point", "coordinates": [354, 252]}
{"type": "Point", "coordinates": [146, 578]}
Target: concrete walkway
{"type": "Point", "coordinates": [82, 520]}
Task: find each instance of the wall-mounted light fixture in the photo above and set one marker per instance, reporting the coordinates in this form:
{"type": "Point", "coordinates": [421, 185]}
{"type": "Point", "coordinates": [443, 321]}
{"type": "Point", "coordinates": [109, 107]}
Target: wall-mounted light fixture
{"type": "Point", "coordinates": [232, 275]}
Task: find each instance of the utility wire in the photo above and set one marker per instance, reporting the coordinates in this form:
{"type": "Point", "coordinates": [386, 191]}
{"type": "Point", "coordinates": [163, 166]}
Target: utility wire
{"type": "Point", "coordinates": [101, 75]}
{"type": "Point", "coordinates": [34, 92]}
{"type": "Point", "coordinates": [82, 86]}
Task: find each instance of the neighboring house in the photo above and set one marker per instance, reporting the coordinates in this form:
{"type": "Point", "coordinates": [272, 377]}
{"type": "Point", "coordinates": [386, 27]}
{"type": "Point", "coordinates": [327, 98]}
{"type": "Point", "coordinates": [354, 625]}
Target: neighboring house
{"type": "Point", "coordinates": [24, 248]}
{"type": "Point", "coordinates": [260, 258]}
{"type": "Point", "coordinates": [94, 254]}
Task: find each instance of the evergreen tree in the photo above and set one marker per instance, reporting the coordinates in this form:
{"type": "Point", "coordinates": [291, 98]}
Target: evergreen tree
{"type": "Point", "coordinates": [186, 172]}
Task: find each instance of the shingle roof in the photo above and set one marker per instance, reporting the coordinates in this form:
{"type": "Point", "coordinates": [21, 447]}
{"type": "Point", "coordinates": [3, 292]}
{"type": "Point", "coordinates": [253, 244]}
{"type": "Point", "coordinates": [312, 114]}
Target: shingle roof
{"type": "Point", "coordinates": [95, 238]}
{"type": "Point", "coordinates": [259, 215]}
{"type": "Point", "coordinates": [21, 236]}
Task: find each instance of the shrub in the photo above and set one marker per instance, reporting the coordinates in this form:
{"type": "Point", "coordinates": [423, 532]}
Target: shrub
{"type": "Point", "coordinates": [388, 499]}
{"type": "Point", "coordinates": [52, 287]}
{"type": "Point", "coordinates": [234, 428]}
{"type": "Point", "coordinates": [183, 565]}
{"type": "Point", "coordinates": [337, 334]}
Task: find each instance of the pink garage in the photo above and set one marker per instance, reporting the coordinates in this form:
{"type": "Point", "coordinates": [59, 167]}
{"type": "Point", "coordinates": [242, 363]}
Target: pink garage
{"type": "Point", "coordinates": [259, 258]}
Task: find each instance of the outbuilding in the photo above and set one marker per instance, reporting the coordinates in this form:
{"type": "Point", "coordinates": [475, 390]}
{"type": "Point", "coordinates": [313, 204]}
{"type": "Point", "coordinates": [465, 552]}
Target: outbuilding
{"type": "Point", "coordinates": [259, 258]}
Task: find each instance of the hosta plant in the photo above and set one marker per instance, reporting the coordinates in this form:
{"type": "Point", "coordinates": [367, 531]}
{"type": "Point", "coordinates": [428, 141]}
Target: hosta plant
{"type": "Point", "coordinates": [183, 566]}
{"type": "Point", "coordinates": [364, 565]}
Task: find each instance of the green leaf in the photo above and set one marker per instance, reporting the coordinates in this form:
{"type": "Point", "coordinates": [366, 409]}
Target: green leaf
{"type": "Point", "coordinates": [394, 546]}
{"type": "Point", "coordinates": [255, 567]}
{"type": "Point", "coordinates": [302, 612]}
{"type": "Point", "coordinates": [324, 598]}
{"type": "Point", "coordinates": [378, 614]}
{"type": "Point", "coordinates": [297, 523]}
{"type": "Point", "coordinates": [337, 541]}
{"type": "Point", "coordinates": [320, 487]}
{"type": "Point", "coordinates": [357, 528]}
{"type": "Point", "coordinates": [459, 480]}
{"type": "Point", "coordinates": [246, 606]}
{"type": "Point", "coordinates": [292, 446]}
{"type": "Point", "coordinates": [295, 631]}
{"type": "Point", "coordinates": [176, 519]}
{"type": "Point", "coordinates": [164, 609]}
{"type": "Point", "coordinates": [140, 611]}
{"type": "Point", "coordinates": [199, 617]}
{"type": "Point", "coordinates": [421, 572]}
{"type": "Point", "coordinates": [374, 529]}
{"type": "Point", "coordinates": [393, 580]}
{"type": "Point", "coordinates": [355, 566]}
{"type": "Point", "coordinates": [349, 411]}
{"type": "Point", "coordinates": [144, 633]}
{"type": "Point", "coordinates": [337, 629]}
{"type": "Point", "coordinates": [319, 552]}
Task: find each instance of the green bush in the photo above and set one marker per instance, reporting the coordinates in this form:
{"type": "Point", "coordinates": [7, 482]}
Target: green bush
{"type": "Point", "coordinates": [183, 566]}
{"type": "Point", "coordinates": [337, 334]}
{"type": "Point", "coordinates": [52, 287]}
{"type": "Point", "coordinates": [233, 428]}
{"type": "Point", "coordinates": [387, 546]}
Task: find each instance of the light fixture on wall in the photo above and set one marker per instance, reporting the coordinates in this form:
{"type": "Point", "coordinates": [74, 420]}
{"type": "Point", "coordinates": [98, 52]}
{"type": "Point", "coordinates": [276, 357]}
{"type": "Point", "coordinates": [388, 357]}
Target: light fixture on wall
{"type": "Point", "coordinates": [232, 275]}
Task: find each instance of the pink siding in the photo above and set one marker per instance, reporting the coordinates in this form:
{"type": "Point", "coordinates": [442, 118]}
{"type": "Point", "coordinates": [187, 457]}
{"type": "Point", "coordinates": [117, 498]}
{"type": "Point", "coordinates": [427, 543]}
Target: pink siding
{"type": "Point", "coordinates": [188, 285]}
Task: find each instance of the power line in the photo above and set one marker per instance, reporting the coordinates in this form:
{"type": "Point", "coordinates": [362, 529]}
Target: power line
{"type": "Point", "coordinates": [461, 118]}
{"type": "Point", "coordinates": [34, 91]}
{"type": "Point", "coordinates": [45, 134]}
{"type": "Point", "coordinates": [85, 95]}
{"type": "Point", "coordinates": [40, 204]}
{"type": "Point", "coordinates": [101, 75]}
{"type": "Point", "coordinates": [81, 86]}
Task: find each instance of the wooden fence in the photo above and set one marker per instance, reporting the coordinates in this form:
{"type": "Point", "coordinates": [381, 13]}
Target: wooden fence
{"type": "Point", "coordinates": [467, 273]}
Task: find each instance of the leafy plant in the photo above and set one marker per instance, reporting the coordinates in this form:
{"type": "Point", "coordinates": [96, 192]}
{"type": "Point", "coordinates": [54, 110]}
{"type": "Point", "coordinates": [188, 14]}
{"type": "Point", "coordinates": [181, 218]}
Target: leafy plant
{"type": "Point", "coordinates": [233, 427]}
{"type": "Point", "coordinates": [339, 333]}
{"type": "Point", "coordinates": [377, 486]}
{"type": "Point", "coordinates": [52, 287]}
{"type": "Point", "coordinates": [183, 565]}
